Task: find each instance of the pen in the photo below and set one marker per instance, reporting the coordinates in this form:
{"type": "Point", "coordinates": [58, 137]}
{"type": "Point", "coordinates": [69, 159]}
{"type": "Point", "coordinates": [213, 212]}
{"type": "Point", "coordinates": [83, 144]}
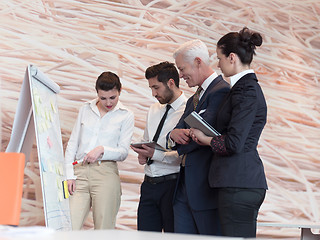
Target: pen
{"type": "Point", "coordinates": [78, 161]}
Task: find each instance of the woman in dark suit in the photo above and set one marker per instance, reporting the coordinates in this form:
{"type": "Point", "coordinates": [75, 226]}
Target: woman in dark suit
{"type": "Point", "coordinates": [236, 169]}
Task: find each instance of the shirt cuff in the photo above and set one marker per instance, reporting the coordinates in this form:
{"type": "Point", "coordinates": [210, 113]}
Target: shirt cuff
{"type": "Point", "coordinates": [69, 171]}
{"type": "Point", "coordinates": [158, 155]}
{"type": "Point", "coordinates": [171, 143]}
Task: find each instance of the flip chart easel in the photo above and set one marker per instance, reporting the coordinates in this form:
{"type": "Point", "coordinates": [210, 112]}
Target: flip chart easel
{"type": "Point", "coordinates": [37, 116]}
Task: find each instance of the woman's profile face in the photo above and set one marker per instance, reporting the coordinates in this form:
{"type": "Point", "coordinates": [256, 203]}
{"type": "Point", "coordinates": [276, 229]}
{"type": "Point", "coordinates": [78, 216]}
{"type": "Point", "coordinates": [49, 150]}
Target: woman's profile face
{"type": "Point", "coordinates": [224, 63]}
{"type": "Point", "coordinates": [108, 99]}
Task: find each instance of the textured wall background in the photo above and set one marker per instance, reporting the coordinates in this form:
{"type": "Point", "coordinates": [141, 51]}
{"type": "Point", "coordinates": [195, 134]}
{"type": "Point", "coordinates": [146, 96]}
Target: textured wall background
{"type": "Point", "coordinates": [73, 41]}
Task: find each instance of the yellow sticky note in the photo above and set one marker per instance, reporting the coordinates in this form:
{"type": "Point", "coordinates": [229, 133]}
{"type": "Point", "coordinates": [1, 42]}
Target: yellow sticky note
{"type": "Point", "coordinates": [59, 168]}
{"type": "Point", "coordinates": [50, 117]}
{"type": "Point", "coordinates": [53, 107]}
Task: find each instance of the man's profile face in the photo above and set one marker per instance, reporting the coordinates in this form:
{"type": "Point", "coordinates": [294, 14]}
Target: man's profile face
{"type": "Point", "coordinates": [188, 71]}
{"type": "Point", "coordinates": [160, 90]}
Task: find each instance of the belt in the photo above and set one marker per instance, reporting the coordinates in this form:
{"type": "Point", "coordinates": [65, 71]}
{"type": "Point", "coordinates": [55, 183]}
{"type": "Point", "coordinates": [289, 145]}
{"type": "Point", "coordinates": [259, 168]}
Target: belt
{"type": "Point", "coordinates": [155, 180]}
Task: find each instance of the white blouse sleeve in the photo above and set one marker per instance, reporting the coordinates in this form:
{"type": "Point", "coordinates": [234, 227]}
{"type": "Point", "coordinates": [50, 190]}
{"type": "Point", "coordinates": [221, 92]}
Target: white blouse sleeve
{"type": "Point", "coordinates": [72, 147]}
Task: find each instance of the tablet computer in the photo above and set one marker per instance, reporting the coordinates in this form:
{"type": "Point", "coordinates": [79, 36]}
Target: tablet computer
{"type": "Point", "coordinates": [150, 144]}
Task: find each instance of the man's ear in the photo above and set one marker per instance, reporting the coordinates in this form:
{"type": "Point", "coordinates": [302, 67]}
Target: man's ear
{"type": "Point", "coordinates": [171, 83]}
{"type": "Point", "coordinates": [198, 61]}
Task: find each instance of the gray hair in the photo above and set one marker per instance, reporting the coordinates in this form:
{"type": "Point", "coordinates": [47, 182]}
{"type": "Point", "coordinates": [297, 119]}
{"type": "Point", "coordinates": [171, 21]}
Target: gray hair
{"type": "Point", "coordinates": [192, 49]}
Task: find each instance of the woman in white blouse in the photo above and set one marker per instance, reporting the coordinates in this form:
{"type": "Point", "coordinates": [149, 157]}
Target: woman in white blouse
{"type": "Point", "coordinates": [101, 136]}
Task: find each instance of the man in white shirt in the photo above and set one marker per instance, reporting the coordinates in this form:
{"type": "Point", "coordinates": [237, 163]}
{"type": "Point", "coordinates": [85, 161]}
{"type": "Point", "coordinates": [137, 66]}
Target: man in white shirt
{"type": "Point", "coordinates": [155, 211]}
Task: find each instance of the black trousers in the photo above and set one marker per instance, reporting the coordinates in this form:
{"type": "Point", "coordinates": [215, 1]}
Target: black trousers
{"type": "Point", "coordinates": [155, 211]}
{"type": "Point", "coordinates": [238, 210]}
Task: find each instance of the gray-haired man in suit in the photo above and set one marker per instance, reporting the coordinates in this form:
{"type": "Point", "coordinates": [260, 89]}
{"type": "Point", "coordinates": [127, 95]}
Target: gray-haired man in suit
{"type": "Point", "coordinates": [195, 203]}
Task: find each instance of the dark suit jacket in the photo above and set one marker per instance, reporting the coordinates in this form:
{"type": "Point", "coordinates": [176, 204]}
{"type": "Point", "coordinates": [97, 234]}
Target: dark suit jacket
{"type": "Point", "coordinates": [241, 119]}
{"type": "Point", "coordinates": [200, 195]}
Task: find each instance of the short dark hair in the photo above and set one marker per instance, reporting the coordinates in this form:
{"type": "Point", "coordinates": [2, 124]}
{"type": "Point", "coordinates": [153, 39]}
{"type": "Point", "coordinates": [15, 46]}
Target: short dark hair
{"type": "Point", "coordinates": [163, 71]}
{"type": "Point", "coordinates": [108, 81]}
{"type": "Point", "coordinates": [242, 43]}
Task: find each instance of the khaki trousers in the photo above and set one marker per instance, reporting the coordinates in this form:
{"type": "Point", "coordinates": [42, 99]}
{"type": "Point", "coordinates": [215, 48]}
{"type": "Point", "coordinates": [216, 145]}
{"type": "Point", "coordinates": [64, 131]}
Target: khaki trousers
{"type": "Point", "coordinates": [97, 187]}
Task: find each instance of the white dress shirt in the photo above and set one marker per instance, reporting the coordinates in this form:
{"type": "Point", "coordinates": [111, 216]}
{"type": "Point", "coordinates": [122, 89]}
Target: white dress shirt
{"type": "Point", "coordinates": [113, 131]}
{"type": "Point", "coordinates": [164, 162]}
{"type": "Point", "coordinates": [207, 82]}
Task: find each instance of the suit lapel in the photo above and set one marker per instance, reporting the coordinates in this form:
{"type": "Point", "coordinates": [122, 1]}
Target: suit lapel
{"type": "Point", "coordinates": [247, 77]}
{"type": "Point", "coordinates": [205, 94]}
{"type": "Point", "coordinates": [189, 107]}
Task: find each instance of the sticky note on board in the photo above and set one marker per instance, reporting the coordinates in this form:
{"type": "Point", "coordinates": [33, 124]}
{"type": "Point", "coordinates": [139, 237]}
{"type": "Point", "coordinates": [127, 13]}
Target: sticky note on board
{"type": "Point", "coordinates": [65, 189]}
{"type": "Point", "coordinates": [44, 165]}
{"type": "Point", "coordinates": [36, 108]}
{"type": "Point", "coordinates": [53, 107]}
{"type": "Point", "coordinates": [58, 168]}
{"type": "Point", "coordinates": [50, 117]}
{"type": "Point", "coordinates": [49, 142]}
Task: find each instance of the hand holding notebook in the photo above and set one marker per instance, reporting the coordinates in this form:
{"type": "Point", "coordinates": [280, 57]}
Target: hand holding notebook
{"type": "Point", "coordinates": [194, 120]}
